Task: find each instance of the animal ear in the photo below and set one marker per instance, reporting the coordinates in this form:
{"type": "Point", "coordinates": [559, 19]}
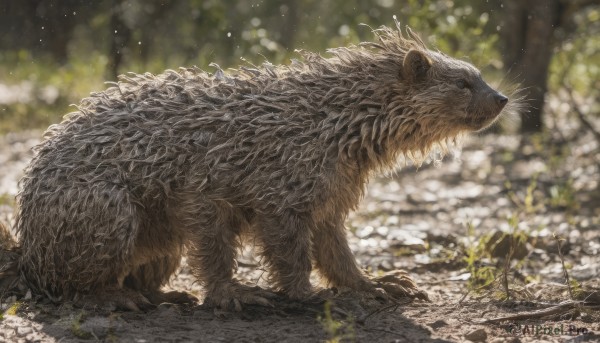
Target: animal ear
{"type": "Point", "coordinates": [415, 65]}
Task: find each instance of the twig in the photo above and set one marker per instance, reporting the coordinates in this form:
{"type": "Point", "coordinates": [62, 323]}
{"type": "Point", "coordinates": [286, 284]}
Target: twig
{"type": "Point", "coordinates": [477, 289]}
{"type": "Point", "coordinates": [464, 296]}
{"type": "Point", "coordinates": [560, 308]}
{"type": "Point", "coordinates": [565, 272]}
{"type": "Point", "coordinates": [511, 253]}
{"type": "Point", "coordinates": [362, 319]}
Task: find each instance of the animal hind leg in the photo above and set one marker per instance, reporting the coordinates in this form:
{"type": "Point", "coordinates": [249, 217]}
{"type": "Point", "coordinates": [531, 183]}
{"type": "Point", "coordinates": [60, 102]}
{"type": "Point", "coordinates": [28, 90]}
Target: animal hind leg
{"type": "Point", "coordinates": [94, 238]}
{"type": "Point", "coordinates": [149, 278]}
{"type": "Point", "coordinates": [214, 234]}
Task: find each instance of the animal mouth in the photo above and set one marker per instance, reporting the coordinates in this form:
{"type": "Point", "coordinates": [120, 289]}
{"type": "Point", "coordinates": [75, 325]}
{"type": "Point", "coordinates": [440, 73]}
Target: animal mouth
{"type": "Point", "coordinates": [487, 117]}
{"type": "Point", "coordinates": [482, 120]}
{"type": "Point", "coordinates": [486, 120]}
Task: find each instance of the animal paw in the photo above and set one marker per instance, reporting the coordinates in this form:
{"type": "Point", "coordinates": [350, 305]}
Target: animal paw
{"type": "Point", "coordinates": [117, 298]}
{"type": "Point", "coordinates": [172, 297]}
{"type": "Point", "coordinates": [232, 295]}
{"type": "Point", "coordinates": [397, 284]}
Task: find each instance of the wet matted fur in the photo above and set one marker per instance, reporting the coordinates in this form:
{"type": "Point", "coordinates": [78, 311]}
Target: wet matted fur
{"type": "Point", "coordinates": [186, 162]}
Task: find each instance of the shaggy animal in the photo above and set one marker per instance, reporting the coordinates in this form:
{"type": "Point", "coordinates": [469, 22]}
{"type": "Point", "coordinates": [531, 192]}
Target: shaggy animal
{"type": "Point", "coordinates": [187, 162]}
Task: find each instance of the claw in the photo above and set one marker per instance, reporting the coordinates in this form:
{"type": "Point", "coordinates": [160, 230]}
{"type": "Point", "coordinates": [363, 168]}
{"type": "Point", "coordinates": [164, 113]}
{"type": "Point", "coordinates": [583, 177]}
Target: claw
{"type": "Point", "coordinates": [173, 297]}
{"type": "Point", "coordinates": [129, 305]}
{"type": "Point", "coordinates": [263, 302]}
{"type": "Point", "coordinates": [397, 284]}
{"type": "Point", "coordinates": [234, 295]}
{"type": "Point", "coordinates": [117, 298]}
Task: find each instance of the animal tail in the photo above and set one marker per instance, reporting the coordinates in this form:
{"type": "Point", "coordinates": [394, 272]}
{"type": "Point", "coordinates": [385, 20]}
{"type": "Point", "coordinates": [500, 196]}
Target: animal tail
{"type": "Point", "coordinates": [11, 283]}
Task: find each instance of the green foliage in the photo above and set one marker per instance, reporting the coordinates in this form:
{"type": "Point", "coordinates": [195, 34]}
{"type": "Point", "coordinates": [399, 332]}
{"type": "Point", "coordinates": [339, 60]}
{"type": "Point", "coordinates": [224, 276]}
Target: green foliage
{"type": "Point", "coordinates": [528, 202]}
{"type": "Point", "coordinates": [562, 195]}
{"type": "Point", "coordinates": [45, 88]}
{"type": "Point", "coordinates": [459, 28]}
{"type": "Point", "coordinates": [491, 257]}
{"type": "Point", "coordinates": [481, 276]}
{"type": "Point", "coordinates": [576, 61]}
{"type": "Point", "coordinates": [547, 189]}
{"type": "Point", "coordinates": [14, 308]}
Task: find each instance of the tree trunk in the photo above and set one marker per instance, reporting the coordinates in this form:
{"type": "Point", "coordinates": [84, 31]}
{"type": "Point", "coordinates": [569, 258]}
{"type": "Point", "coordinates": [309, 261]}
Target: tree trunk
{"type": "Point", "coordinates": [528, 42]}
{"type": "Point", "coordinates": [120, 35]}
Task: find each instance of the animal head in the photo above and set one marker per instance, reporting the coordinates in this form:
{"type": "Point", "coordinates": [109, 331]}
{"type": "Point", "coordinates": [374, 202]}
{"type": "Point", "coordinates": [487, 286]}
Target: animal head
{"type": "Point", "coordinates": [449, 90]}
{"type": "Point", "coordinates": [436, 89]}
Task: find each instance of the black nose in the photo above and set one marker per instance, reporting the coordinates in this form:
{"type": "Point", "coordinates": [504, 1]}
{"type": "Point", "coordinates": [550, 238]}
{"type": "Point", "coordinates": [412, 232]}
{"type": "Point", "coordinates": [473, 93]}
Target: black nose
{"type": "Point", "coordinates": [500, 99]}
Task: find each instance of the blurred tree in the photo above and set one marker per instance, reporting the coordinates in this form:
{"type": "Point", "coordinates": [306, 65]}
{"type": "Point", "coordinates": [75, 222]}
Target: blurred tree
{"type": "Point", "coordinates": [40, 26]}
{"type": "Point", "coordinates": [529, 38]}
{"type": "Point", "coordinates": [120, 36]}
{"type": "Point", "coordinates": [131, 19]}
{"type": "Point", "coordinates": [528, 43]}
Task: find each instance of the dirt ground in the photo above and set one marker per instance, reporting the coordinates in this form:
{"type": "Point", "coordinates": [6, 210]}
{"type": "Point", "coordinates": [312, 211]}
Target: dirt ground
{"type": "Point", "coordinates": [447, 225]}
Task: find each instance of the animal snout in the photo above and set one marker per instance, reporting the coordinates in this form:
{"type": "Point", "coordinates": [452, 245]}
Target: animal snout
{"type": "Point", "coordinates": [500, 100]}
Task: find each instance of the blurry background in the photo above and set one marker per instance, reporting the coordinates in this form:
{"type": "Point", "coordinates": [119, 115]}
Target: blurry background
{"type": "Point", "coordinates": [53, 53]}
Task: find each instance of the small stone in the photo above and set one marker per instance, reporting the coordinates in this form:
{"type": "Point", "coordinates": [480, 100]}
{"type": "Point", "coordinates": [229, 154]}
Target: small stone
{"type": "Point", "coordinates": [502, 244]}
{"type": "Point", "coordinates": [438, 324]}
{"type": "Point", "coordinates": [504, 340]}
{"type": "Point", "coordinates": [478, 335]}
{"type": "Point", "coordinates": [23, 330]}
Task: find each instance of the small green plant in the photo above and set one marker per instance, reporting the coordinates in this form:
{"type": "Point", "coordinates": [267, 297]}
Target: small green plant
{"type": "Point", "coordinates": [517, 251]}
{"type": "Point", "coordinates": [76, 327]}
{"type": "Point", "coordinates": [14, 308]}
{"type": "Point", "coordinates": [336, 330]}
{"type": "Point", "coordinates": [481, 276]}
{"type": "Point", "coordinates": [7, 199]}
{"type": "Point", "coordinates": [527, 203]}
{"type": "Point", "coordinates": [562, 195]}
{"type": "Point", "coordinates": [502, 251]}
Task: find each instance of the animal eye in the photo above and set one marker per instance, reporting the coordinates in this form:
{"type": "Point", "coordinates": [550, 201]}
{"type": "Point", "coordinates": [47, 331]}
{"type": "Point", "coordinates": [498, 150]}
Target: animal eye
{"type": "Point", "coordinates": [462, 84]}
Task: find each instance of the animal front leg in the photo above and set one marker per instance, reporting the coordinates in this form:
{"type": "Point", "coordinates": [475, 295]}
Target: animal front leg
{"type": "Point", "coordinates": [337, 264]}
{"type": "Point", "coordinates": [214, 235]}
{"type": "Point", "coordinates": [286, 247]}
{"type": "Point", "coordinates": [335, 260]}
